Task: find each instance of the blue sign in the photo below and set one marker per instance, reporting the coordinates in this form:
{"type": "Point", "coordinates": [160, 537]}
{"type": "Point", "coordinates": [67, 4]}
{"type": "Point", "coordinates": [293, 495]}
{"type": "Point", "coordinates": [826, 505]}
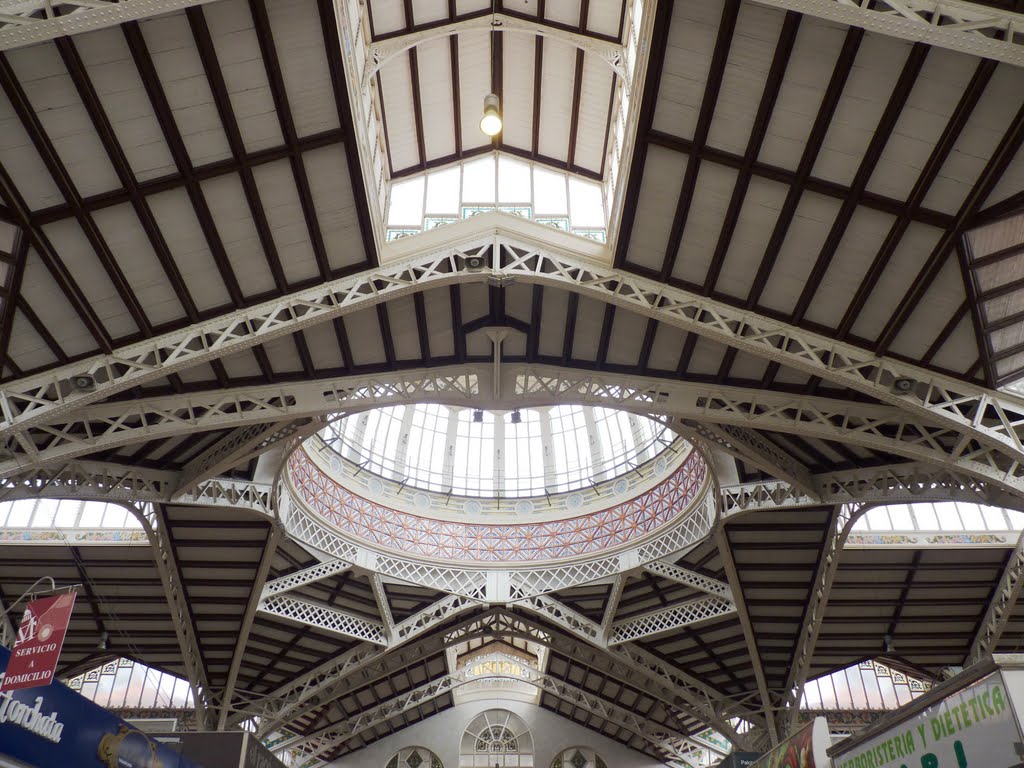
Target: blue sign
{"type": "Point", "coordinates": [54, 727]}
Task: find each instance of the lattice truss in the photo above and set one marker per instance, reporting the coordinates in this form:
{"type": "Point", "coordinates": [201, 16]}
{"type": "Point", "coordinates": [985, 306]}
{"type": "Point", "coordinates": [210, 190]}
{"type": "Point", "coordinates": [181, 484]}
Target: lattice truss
{"type": "Point", "coordinates": [930, 418]}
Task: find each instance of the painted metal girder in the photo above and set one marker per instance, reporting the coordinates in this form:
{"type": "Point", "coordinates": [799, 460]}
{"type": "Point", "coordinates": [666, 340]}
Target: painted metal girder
{"type": "Point", "coordinates": [879, 427]}
{"type": "Point", "coordinates": [841, 523]}
{"type": "Point", "coordinates": [360, 666]}
{"type": "Point", "coordinates": [304, 576]}
{"type": "Point", "coordinates": [943, 418]}
{"type": "Point", "coordinates": [323, 617]}
{"type": "Point", "coordinates": [91, 480]}
{"type": "Point", "coordinates": [154, 524]}
{"type": "Point", "coordinates": [1000, 607]}
{"type": "Point", "coordinates": [979, 30]}
{"type": "Point", "coordinates": [890, 484]}
{"type": "Point", "coordinates": [670, 618]}
{"type": "Point", "coordinates": [690, 578]}
{"type": "Point", "coordinates": [24, 22]}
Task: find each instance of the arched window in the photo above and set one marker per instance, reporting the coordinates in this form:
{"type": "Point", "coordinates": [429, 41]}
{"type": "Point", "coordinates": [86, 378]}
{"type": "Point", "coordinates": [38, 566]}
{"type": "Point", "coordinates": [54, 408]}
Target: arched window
{"type": "Point", "coordinates": [578, 757]}
{"type": "Point", "coordinates": [499, 738]}
{"type": "Point", "coordinates": [414, 757]}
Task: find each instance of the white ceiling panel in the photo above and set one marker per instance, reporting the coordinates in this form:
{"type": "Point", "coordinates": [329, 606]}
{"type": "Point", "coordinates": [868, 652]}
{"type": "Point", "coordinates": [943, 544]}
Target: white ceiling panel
{"type": "Point", "coordinates": [298, 38]}
{"type": "Point", "coordinates": [241, 63]}
{"type": "Point", "coordinates": [556, 99]}
{"type": "Point", "coordinates": [687, 61]}
{"type": "Point", "coordinates": [659, 192]}
{"type": "Point", "coordinates": [123, 96]}
{"type": "Point", "coordinates": [704, 222]}
{"type": "Point", "coordinates": [435, 84]}
{"type": "Point", "coordinates": [237, 231]}
{"type": "Point", "coordinates": [395, 81]}
{"type": "Point", "coordinates": [750, 58]}
{"type": "Point", "coordinates": [335, 206]}
{"type": "Point", "coordinates": [186, 88]}
{"type": "Point", "coordinates": [63, 117]}
{"type": "Point", "coordinates": [753, 230]}
{"type": "Point", "coordinates": [810, 67]}
{"type": "Point", "coordinates": [283, 209]}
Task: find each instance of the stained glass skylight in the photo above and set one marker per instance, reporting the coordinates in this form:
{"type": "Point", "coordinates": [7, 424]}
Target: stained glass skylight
{"type": "Point", "coordinates": [482, 453]}
{"type": "Point", "coordinates": [502, 183]}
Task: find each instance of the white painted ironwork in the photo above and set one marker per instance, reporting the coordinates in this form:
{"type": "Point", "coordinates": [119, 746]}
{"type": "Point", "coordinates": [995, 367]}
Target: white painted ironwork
{"type": "Point", "coordinates": [305, 576]}
{"type": "Point", "coordinates": [669, 618]}
{"type": "Point", "coordinates": [269, 550]}
{"type": "Point", "coordinates": [939, 420]}
{"type": "Point", "coordinates": [732, 575]}
{"type": "Point", "coordinates": [611, 607]}
{"type": "Point", "coordinates": [890, 484]}
{"type": "Point", "coordinates": [323, 617]}
{"type": "Point", "coordinates": [841, 523]}
{"type": "Point", "coordinates": [24, 22]}
{"type": "Point", "coordinates": [1000, 607]}
{"type": "Point", "coordinates": [380, 595]}
{"type": "Point", "coordinates": [689, 578]}
{"type": "Point", "coordinates": [980, 30]}
{"type": "Point", "coordinates": [177, 601]}
{"type": "Point", "coordinates": [237, 448]}
{"type": "Point", "coordinates": [359, 666]}
{"type": "Point", "coordinates": [752, 448]}
{"type": "Point", "coordinates": [379, 53]}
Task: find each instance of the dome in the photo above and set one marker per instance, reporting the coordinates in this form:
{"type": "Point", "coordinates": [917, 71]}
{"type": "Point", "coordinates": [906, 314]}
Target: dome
{"type": "Point", "coordinates": [523, 453]}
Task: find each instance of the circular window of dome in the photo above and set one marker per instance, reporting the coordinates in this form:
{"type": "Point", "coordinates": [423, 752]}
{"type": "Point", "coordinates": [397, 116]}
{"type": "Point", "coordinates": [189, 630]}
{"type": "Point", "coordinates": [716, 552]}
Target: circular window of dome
{"type": "Point", "coordinates": [617, 490]}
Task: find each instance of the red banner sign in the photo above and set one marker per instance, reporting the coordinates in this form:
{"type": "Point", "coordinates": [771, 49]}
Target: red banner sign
{"type": "Point", "coordinates": [40, 637]}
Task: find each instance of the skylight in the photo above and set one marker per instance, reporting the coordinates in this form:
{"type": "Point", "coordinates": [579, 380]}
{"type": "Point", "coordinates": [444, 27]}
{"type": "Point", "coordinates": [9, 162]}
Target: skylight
{"type": "Point", "coordinates": [126, 684]}
{"type": "Point", "coordinates": [868, 685]}
{"type": "Point", "coordinates": [940, 517]}
{"type": "Point", "coordinates": [497, 182]}
{"type": "Point", "coordinates": [483, 453]}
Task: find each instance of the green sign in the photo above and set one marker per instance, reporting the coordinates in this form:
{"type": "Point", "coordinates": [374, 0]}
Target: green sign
{"type": "Point", "coordinates": [972, 728]}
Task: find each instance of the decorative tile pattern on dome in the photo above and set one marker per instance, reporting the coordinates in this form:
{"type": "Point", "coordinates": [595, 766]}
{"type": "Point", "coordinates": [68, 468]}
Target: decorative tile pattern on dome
{"type": "Point", "coordinates": [446, 540]}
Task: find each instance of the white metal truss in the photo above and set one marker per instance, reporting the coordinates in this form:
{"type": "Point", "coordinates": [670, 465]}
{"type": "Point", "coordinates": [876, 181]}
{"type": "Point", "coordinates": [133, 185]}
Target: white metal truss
{"type": "Point", "coordinates": [891, 484]}
{"type": "Point", "coordinates": [708, 704]}
{"type": "Point", "coordinates": [689, 578]}
{"type": "Point", "coordinates": [670, 617]}
{"type": "Point", "coordinates": [269, 550]}
{"type": "Point", "coordinates": [237, 448]}
{"type": "Point", "coordinates": [1000, 608]}
{"type": "Point", "coordinates": [328, 739]}
{"type": "Point", "coordinates": [980, 30]}
{"type": "Point", "coordinates": [379, 53]}
{"type": "Point", "coordinates": [752, 448]}
{"type": "Point", "coordinates": [117, 482]}
{"type": "Point", "coordinates": [500, 584]}
{"type": "Point", "coordinates": [840, 524]}
{"type": "Point", "coordinates": [942, 420]}
{"type": "Point", "coordinates": [324, 617]}
{"type": "Point", "coordinates": [360, 665]}
{"type": "Point", "coordinates": [305, 576]}
{"type": "Point", "coordinates": [383, 606]}
{"type": "Point", "coordinates": [729, 564]}
{"type": "Point", "coordinates": [153, 523]}
{"type": "Point", "coordinates": [23, 22]}
{"type": "Point", "coordinates": [611, 607]}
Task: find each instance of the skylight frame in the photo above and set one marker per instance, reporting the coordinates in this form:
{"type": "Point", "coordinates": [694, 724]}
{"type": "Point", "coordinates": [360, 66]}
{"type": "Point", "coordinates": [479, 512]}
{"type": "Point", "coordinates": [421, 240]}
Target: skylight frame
{"type": "Point", "coordinates": [369, 440]}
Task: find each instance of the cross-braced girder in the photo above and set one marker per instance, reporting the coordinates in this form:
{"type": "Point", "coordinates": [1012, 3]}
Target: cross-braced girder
{"type": "Point", "coordinates": [841, 523]}
{"type": "Point", "coordinates": [938, 419]}
{"type": "Point", "coordinates": [1000, 607]}
{"type": "Point", "coordinates": [979, 30]}
{"type": "Point", "coordinates": [24, 22]}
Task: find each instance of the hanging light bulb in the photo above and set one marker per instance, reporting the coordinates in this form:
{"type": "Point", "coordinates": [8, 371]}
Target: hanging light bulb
{"type": "Point", "coordinates": [490, 123]}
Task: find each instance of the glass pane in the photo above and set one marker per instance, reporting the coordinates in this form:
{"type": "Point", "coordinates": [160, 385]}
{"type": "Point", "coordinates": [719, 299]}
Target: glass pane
{"type": "Point", "coordinates": [443, 192]}
{"type": "Point", "coordinates": [994, 519]}
{"type": "Point", "coordinates": [513, 180]}
{"type": "Point", "coordinates": [46, 510]}
{"type": "Point", "coordinates": [586, 206]}
{"type": "Point", "coordinates": [67, 514]}
{"type": "Point", "coordinates": [926, 518]}
{"type": "Point", "coordinates": [971, 515]}
{"type": "Point", "coordinates": [949, 520]}
{"type": "Point", "coordinates": [478, 181]}
{"type": "Point", "coordinates": [20, 513]}
{"type": "Point", "coordinates": [406, 207]}
{"type": "Point", "coordinates": [92, 514]}
{"type": "Point", "coordinates": [549, 197]}
{"type": "Point", "coordinates": [901, 518]}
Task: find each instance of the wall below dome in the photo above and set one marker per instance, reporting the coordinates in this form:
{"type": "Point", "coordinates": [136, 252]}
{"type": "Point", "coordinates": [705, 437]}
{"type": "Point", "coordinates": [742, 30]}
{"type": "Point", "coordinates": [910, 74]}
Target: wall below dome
{"type": "Point", "coordinates": [442, 733]}
{"type": "Point", "coordinates": [592, 534]}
